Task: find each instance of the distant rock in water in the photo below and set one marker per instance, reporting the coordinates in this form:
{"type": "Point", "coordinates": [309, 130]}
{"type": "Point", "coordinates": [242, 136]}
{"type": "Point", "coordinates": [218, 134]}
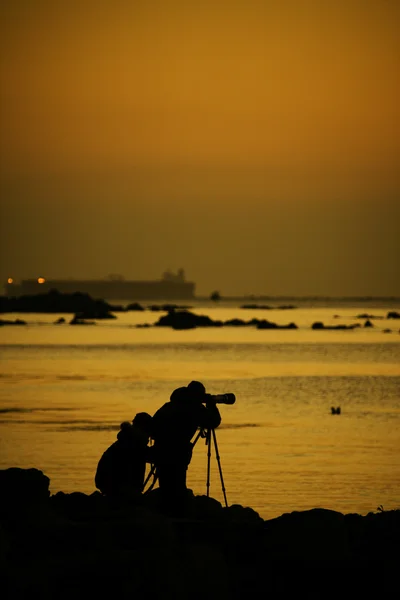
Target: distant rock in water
{"type": "Point", "coordinates": [15, 322]}
{"type": "Point", "coordinates": [184, 319]}
{"type": "Point", "coordinates": [134, 306]}
{"type": "Point", "coordinates": [320, 325]}
{"type": "Point", "coordinates": [77, 320]}
{"type": "Point", "coordinates": [55, 302]}
{"type": "Point", "coordinates": [167, 307]}
{"type": "Point", "coordinates": [264, 324]}
{"type": "Point", "coordinates": [256, 306]}
{"type": "Point", "coordinates": [268, 307]}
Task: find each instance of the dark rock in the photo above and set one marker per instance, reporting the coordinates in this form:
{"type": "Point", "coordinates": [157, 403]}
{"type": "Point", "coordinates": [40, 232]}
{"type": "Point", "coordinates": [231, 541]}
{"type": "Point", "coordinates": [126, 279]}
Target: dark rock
{"type": "Point", "coordinates": [264, 324]}
{"type": "Point", "coordinates": [78, 320]}
{"type": "Point", "coordinates": [320, 325]}
{"type": "Point", "coordinates": [256, 306]}
{"type": "Point", "coordinates": [393, 315]}
{"type": "Point", "coordinates": [22, 487]}
{"type": "Point", "coordinates": [56, 302]}
{"type": "Point", "coordinates": [135, 306]}
{"type": "Point", "coordinates": [82, 546]}
{"type": "Point", "coordinates": [184, 319]}
{"type": "Point", "coordinates": [317, 534]}
{"type": "Point", "coordinates": [15, 322]}
{"type": "Point", "coordinates": [235, 322]}
{"type": "Point", "coordinates": [94, 313]}
{"type": "Point", "coordinates": [167, 307]}
{"type": "Point", "coordinates": [268, 307]}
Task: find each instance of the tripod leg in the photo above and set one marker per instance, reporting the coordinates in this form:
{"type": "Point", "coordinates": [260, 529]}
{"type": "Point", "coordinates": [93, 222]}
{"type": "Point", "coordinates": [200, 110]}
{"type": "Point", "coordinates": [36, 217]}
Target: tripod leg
{"type": "Point", "coordinates": [151, 473]}
{"type": "Point", "coordinates": [208, 442]}
{"type": "Point", "coordinates": [219, 467]}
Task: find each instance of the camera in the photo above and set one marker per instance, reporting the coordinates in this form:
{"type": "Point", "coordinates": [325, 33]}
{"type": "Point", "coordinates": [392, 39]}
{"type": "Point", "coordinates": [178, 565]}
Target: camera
{"type": "Point", "coordinates": [221, 398]}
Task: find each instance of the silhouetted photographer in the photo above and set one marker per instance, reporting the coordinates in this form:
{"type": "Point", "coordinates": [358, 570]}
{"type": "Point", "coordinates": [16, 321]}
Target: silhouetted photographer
{"type": "Point", "coordinates": [173, 428]}
{"type": "Point", "coordinates": [121, 469]}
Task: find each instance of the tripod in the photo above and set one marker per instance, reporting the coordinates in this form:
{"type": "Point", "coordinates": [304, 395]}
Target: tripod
{"type": "Point", "coordinates": [210, 436]}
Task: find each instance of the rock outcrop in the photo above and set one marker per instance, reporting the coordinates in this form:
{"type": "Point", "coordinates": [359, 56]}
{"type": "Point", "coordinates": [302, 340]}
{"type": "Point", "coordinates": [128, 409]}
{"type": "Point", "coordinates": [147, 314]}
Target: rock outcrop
{"type": "Point", "coordinates": [56, 302]}
{"type": "Point", "coordinates": [185, 319]}
{"type": "Point", "coordinates": [320, 325]}
{"type": "Point", "coordinates": [79, 546]}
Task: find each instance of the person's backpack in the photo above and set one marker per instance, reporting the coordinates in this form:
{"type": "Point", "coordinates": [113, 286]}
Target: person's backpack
{"type": "Point", "coordinates": [104, 473]}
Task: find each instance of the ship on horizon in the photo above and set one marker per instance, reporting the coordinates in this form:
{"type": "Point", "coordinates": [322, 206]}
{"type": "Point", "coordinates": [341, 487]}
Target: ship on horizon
{"type": "Point", "coordinates": [171, 286]}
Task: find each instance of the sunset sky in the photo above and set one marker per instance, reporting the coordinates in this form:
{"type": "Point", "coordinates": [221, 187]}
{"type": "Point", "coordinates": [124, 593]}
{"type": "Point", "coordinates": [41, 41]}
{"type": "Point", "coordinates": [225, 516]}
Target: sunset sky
{"type": "Point", "coordinates": [256, 144]}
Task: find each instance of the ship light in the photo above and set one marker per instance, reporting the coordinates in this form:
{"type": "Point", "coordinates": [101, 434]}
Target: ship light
{"type": "Point", "coordinates": [41, 280]}
{"type": "Point", "coordinates": [10, 280]}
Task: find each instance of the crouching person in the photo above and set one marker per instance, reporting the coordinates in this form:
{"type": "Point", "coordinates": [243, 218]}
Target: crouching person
{"type": "Point", "coordinates": [121, 470]}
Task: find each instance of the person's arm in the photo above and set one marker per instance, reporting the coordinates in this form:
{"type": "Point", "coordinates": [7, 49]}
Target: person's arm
{"type": "Point", "coordinates": [210, 417]}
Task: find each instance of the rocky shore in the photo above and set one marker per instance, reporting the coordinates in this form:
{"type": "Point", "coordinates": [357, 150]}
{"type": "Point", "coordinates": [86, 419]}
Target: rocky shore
{"type": "Point", "coordinates": [72, 546]}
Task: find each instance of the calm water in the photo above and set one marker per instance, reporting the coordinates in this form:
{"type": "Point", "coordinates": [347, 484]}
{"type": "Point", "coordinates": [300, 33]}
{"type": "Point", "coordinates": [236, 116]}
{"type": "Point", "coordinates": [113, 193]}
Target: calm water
{"type": "Point", "coordinates": [64, 390]}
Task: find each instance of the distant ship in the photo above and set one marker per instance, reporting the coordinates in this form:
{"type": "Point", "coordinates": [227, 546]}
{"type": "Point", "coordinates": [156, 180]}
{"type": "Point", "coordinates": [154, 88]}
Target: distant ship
{"type": "Point", "coordinates": [172, 286]}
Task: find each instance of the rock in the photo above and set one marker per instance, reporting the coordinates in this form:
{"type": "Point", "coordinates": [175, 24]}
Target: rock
{"type": "Point", "coordinates": [316, 534]}
{"type": "Point", "coordinates": [82, 546]}
{"type": "Point", "coordinates": [134, 306]}
{"type": "Point", "coordinates": [184, 319]}
{"type": "Point", "coordinates": [15, 322]}
{"type": "Point", "coordinates": [78, 320]}
{"type": "Point", "coordinates": [320, 325]}
{"type": "Point", "coordinates": [264, 324]}
{"type": "Point", "coordinates": [56, 302]}
{"type": "Point", "coordinates": [22, 487]}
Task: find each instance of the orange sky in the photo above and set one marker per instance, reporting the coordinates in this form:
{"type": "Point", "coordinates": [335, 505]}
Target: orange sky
{"type": "Point", "coordinates": [256, 144]}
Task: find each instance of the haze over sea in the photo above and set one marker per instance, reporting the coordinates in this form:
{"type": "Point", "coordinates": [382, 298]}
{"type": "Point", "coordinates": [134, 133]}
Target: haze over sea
{"type": "Point", "coordinates": [64, 391]}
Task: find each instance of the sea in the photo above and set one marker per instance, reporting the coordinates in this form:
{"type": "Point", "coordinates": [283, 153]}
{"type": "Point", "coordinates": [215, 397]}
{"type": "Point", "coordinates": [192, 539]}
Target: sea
{"type": "Point", "coordinates": [65, 389]}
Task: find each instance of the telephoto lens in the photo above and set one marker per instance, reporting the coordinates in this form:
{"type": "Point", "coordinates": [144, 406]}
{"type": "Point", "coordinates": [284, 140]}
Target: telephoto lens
{"type": "Point", "coordinates": [222, 398]}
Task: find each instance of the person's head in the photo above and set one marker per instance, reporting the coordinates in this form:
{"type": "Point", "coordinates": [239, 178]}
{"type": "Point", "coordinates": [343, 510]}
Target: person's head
{"type": "Point", "coordinates": [125, 426]}
{"type": "Point", "coordinates": [143, 421]}
{"type": "Point", "coordinates": [196, 390]}
{"type": "Point", "coordinates": [125, 432]}
{"type": "Point", "coordinates": [179, 395]}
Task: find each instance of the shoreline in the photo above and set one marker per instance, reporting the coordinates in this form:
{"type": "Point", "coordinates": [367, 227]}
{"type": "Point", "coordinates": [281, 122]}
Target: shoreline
{"type": "Point", "coordinates": [76, 545]}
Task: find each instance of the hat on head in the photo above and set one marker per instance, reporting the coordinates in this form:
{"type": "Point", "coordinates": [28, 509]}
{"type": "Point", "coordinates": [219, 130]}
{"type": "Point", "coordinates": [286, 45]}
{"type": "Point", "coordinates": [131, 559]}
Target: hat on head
{"type": "Point", "coordinates": [142, 420]}
{"type": "Point", "coordinates": [179, 394]}
{"type": "Point", "coordinates": [196, 388]}
{"type": "Point", "coordinates": [125, 425]}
